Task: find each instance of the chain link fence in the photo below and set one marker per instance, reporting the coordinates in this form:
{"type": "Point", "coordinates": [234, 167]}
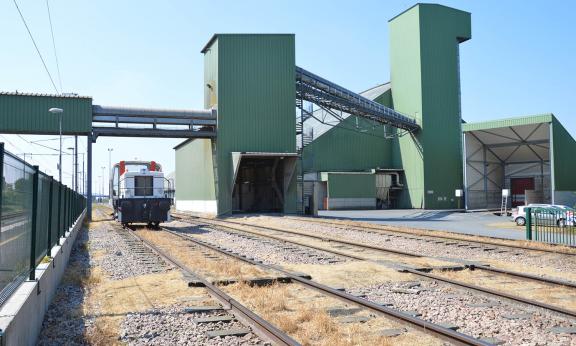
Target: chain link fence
{"type": "Point", "coordinates": [35, 212]}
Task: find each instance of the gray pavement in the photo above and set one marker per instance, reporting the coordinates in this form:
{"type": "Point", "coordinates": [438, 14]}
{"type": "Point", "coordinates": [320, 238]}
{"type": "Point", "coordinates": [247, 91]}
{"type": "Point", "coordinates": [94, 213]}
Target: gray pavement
{"type": "Point", "coordinates": [483, 224]}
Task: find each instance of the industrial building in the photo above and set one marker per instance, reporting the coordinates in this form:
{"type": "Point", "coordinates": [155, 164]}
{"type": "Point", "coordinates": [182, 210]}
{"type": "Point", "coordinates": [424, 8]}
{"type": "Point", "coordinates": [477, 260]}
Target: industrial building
{"type": "Point", "coordinates": [267, 157]}
{"type": "Point", "coordinates": [275, 137]}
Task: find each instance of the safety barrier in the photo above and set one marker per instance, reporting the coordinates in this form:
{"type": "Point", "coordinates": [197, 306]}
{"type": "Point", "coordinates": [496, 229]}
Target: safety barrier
{"type": "Point", "coordinates": [551, 225]}
{"type": "Point", "coordinates": [35, 212]}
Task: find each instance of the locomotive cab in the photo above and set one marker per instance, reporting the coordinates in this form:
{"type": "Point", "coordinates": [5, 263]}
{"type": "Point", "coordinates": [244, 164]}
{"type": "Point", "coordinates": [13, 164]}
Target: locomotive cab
{"type": "Point", "coordinates": [140, 193]}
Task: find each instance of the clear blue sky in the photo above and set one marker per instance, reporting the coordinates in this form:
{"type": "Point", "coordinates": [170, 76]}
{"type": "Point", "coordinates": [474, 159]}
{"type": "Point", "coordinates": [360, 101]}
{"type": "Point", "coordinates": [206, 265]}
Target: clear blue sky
{"type": "Point", "coordinates": [147, 53]}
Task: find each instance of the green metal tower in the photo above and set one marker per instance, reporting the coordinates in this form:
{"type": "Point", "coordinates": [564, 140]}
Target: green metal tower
{"type": "Point", "coordinates": [426, 85]}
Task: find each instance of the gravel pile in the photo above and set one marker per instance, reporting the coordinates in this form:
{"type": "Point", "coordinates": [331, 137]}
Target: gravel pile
{"type": "Point", "coordinates": [173, 326]}
{"type": "Point", "coordinates": [122, 259]}
{"type": "Point", "coordinates": [475, 315]}
{"type": "Point", "coordinates": [269, 251]}
{"type": "Point", "coordinates": [419, 246]}
{"type": "Point", "coordinates": [64, 322]}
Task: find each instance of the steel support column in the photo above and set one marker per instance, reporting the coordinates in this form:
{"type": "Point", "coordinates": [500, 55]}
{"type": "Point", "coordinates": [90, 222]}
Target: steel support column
{"type": "Point", "coordinates": [89, 180]}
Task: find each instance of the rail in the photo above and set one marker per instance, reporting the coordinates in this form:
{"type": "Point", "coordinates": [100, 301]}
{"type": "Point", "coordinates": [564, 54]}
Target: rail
{"type": "Point", "coordinates": [493, 241]}
{"type": "Point", "coordinates": [420, 324]}
{"type": "Point", "coordinates": [493, 292]}
{"type": "Point", "coordinates": [263, 327]}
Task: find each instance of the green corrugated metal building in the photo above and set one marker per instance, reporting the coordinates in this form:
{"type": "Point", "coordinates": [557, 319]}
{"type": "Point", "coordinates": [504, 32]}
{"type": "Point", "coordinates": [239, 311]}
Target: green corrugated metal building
{"type": "Point", "coordinates": [28, 113]}
{"type": "Point", "coordinates": [350, 162]}
{"type": "Point", "coordinates": [249, 79]}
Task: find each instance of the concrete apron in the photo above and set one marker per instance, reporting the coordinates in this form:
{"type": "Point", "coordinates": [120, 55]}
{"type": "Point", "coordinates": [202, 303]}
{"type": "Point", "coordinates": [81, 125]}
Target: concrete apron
{"type": "Point", "coordinates": [22, 314]}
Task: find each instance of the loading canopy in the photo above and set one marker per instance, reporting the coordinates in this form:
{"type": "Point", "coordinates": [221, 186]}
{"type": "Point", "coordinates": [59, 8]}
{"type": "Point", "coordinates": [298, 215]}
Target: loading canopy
{"type": "Point", "coordinates": [496, 153]}
{"type": "Point", "coordinates": [315, 89]}
{"type": "Point", "coordinates": [290, 165]}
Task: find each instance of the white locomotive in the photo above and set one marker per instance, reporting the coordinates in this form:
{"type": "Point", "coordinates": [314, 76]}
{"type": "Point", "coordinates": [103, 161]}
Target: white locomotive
{"type": "Point", "coordinates": [140, 193]}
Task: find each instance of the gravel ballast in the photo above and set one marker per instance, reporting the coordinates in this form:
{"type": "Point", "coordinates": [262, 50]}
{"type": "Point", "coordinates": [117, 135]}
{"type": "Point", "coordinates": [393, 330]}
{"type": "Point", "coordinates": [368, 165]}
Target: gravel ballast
{"type": "Point", "coordinates": [173, 326]}
{"type": "Point", "coordinates": [476, 315]}
{"type": "Point", "coordinates": [269, 251]}
{"type": "Point", "coordinates": [558, 262]}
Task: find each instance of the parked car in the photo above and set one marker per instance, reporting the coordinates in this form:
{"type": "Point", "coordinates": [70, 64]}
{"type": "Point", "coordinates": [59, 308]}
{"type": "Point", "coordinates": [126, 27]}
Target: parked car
{"type": "Point", "coordinates": [562, 215]}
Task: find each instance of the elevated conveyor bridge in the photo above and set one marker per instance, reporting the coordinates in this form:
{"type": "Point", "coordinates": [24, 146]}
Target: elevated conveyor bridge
{"type": "Point", "coordinates": [328, 95]}
{"type": "Point", "coordinates": [152, 122]}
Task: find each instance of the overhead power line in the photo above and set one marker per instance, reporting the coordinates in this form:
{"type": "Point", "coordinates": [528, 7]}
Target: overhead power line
{"type": "Point", "coordinates": [54, 45]}
{"type": "Point", "coordinates": [36, 46]}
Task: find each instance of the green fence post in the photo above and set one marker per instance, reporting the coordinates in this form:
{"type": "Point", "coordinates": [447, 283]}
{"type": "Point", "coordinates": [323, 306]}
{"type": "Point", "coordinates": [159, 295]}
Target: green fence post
{"type": "Point", "coordinates": [50, 193]}
{"type": "Point", "coordinates": [59, 220]}
{"type": "Point", "coordinates": [66, 216]}
{"type": "Point", "coordinates": [528, 223]}
{"type": "Point", "coordinates": [2, 177]}
{"type": "Point", "coordinates": [34, 223]}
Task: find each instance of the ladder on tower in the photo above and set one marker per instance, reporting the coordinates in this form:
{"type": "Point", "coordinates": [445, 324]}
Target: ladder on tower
{"type": "Point", "coordinates": [504, 205]}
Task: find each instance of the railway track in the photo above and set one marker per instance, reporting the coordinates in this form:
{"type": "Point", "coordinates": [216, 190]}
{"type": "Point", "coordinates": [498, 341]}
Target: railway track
{"type": "Point", "coordinates": [233, 227]}
{"type": "Point", "coordinates": [471, 264]}
{"type": "Point", "coordinates": [260, 327]}
{"type": "Point", "coordinates": [382, 229]}
{"type": "Point", "coordinates": [427, 327]}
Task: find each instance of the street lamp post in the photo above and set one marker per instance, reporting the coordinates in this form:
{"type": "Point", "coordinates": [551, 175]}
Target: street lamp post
{"type": "Point", "coordinates": [100, 177]}
{"type": "Point", "coordinates": [103, 179]}
{"type": "Point", "coordinates": [59, 112]}
{"type": "Point", "coordinates": [110, 169]}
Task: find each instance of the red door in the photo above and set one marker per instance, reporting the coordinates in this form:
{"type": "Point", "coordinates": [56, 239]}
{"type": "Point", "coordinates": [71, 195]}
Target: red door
{"type": "Point", "coordinates": [519, 186]}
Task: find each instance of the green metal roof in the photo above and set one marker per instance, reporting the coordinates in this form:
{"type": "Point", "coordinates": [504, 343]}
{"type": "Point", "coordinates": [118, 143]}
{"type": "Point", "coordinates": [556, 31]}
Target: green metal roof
{"type": "Point", "coordinates": [506, 122]}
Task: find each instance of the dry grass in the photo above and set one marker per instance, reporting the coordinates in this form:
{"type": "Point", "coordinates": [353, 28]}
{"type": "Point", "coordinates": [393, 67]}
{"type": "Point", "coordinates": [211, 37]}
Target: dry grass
{"type": "Point", "coordinates": [301, 313]}
{"type": "Point", "coordinates": [551, 294]}
{"type": "Point", "coordinates": [209, 268]}
{"type": "Point", "coordinates": [110, 301]}
{"type": "Point", "coordinates": [543, 270]}
{"type": "Point", "coordinates": [351, 274]}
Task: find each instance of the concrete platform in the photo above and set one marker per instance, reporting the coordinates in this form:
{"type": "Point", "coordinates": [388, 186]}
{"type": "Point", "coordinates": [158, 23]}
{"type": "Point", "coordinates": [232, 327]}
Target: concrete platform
{"type": "Point", "coordinates": [481, 223]}
{"type": "Point", "coordinates": [22, 315]}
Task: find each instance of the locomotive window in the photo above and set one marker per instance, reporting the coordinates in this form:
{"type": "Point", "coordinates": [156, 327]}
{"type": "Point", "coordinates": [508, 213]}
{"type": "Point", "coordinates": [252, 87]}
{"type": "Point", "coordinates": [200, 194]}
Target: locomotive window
{"type": "Point", "coordinates": [143, 186]}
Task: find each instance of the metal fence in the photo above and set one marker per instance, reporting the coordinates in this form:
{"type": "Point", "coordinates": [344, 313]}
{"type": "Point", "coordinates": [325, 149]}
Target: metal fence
{"type": "Point", "coordinates": [551, 225]}
{"type": "Point", "coordinates": [35, 212]}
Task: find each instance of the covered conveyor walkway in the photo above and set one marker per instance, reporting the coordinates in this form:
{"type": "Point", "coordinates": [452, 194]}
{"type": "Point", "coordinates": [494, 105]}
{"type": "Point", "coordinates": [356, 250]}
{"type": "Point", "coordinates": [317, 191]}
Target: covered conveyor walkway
{"type": "Point", "coordinates": [315, 89]}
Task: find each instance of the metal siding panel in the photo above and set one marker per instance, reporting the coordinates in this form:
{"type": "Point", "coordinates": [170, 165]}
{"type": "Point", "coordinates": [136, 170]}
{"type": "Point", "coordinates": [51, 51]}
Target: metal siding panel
{"type": "Point", "coordinates": [517, 121]}
{"type": "Point", "coordinates": [442, 28]}
{"type": "Point", "coordinates": [564, 147]}
{"type": "Point", "coordinates": [256, 103]}
{"type": "Point", "coordinates": [194, 171]}
{"type": "Point", "coordinates": [342, 185]}
{"type": "Point", "coordinates": [29, 114]}
{"type": "Point", "coordinates": [425, 84]}
{"type": "Point", "coordinates": [346, 150]}
{"type": "Point", "coordinates": [407, 94]}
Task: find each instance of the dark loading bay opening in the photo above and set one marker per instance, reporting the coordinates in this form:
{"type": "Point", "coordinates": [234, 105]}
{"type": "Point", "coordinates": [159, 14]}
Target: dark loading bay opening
{"type": "Point", "coordinates": [259, 185]}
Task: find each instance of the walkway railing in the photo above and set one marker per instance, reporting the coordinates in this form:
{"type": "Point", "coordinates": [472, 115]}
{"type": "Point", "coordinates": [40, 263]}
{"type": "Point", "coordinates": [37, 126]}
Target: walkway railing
{"type": "Point", "coordinates": [551, 225]}
{"type": "Point", "coordinates": [35, 212]}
